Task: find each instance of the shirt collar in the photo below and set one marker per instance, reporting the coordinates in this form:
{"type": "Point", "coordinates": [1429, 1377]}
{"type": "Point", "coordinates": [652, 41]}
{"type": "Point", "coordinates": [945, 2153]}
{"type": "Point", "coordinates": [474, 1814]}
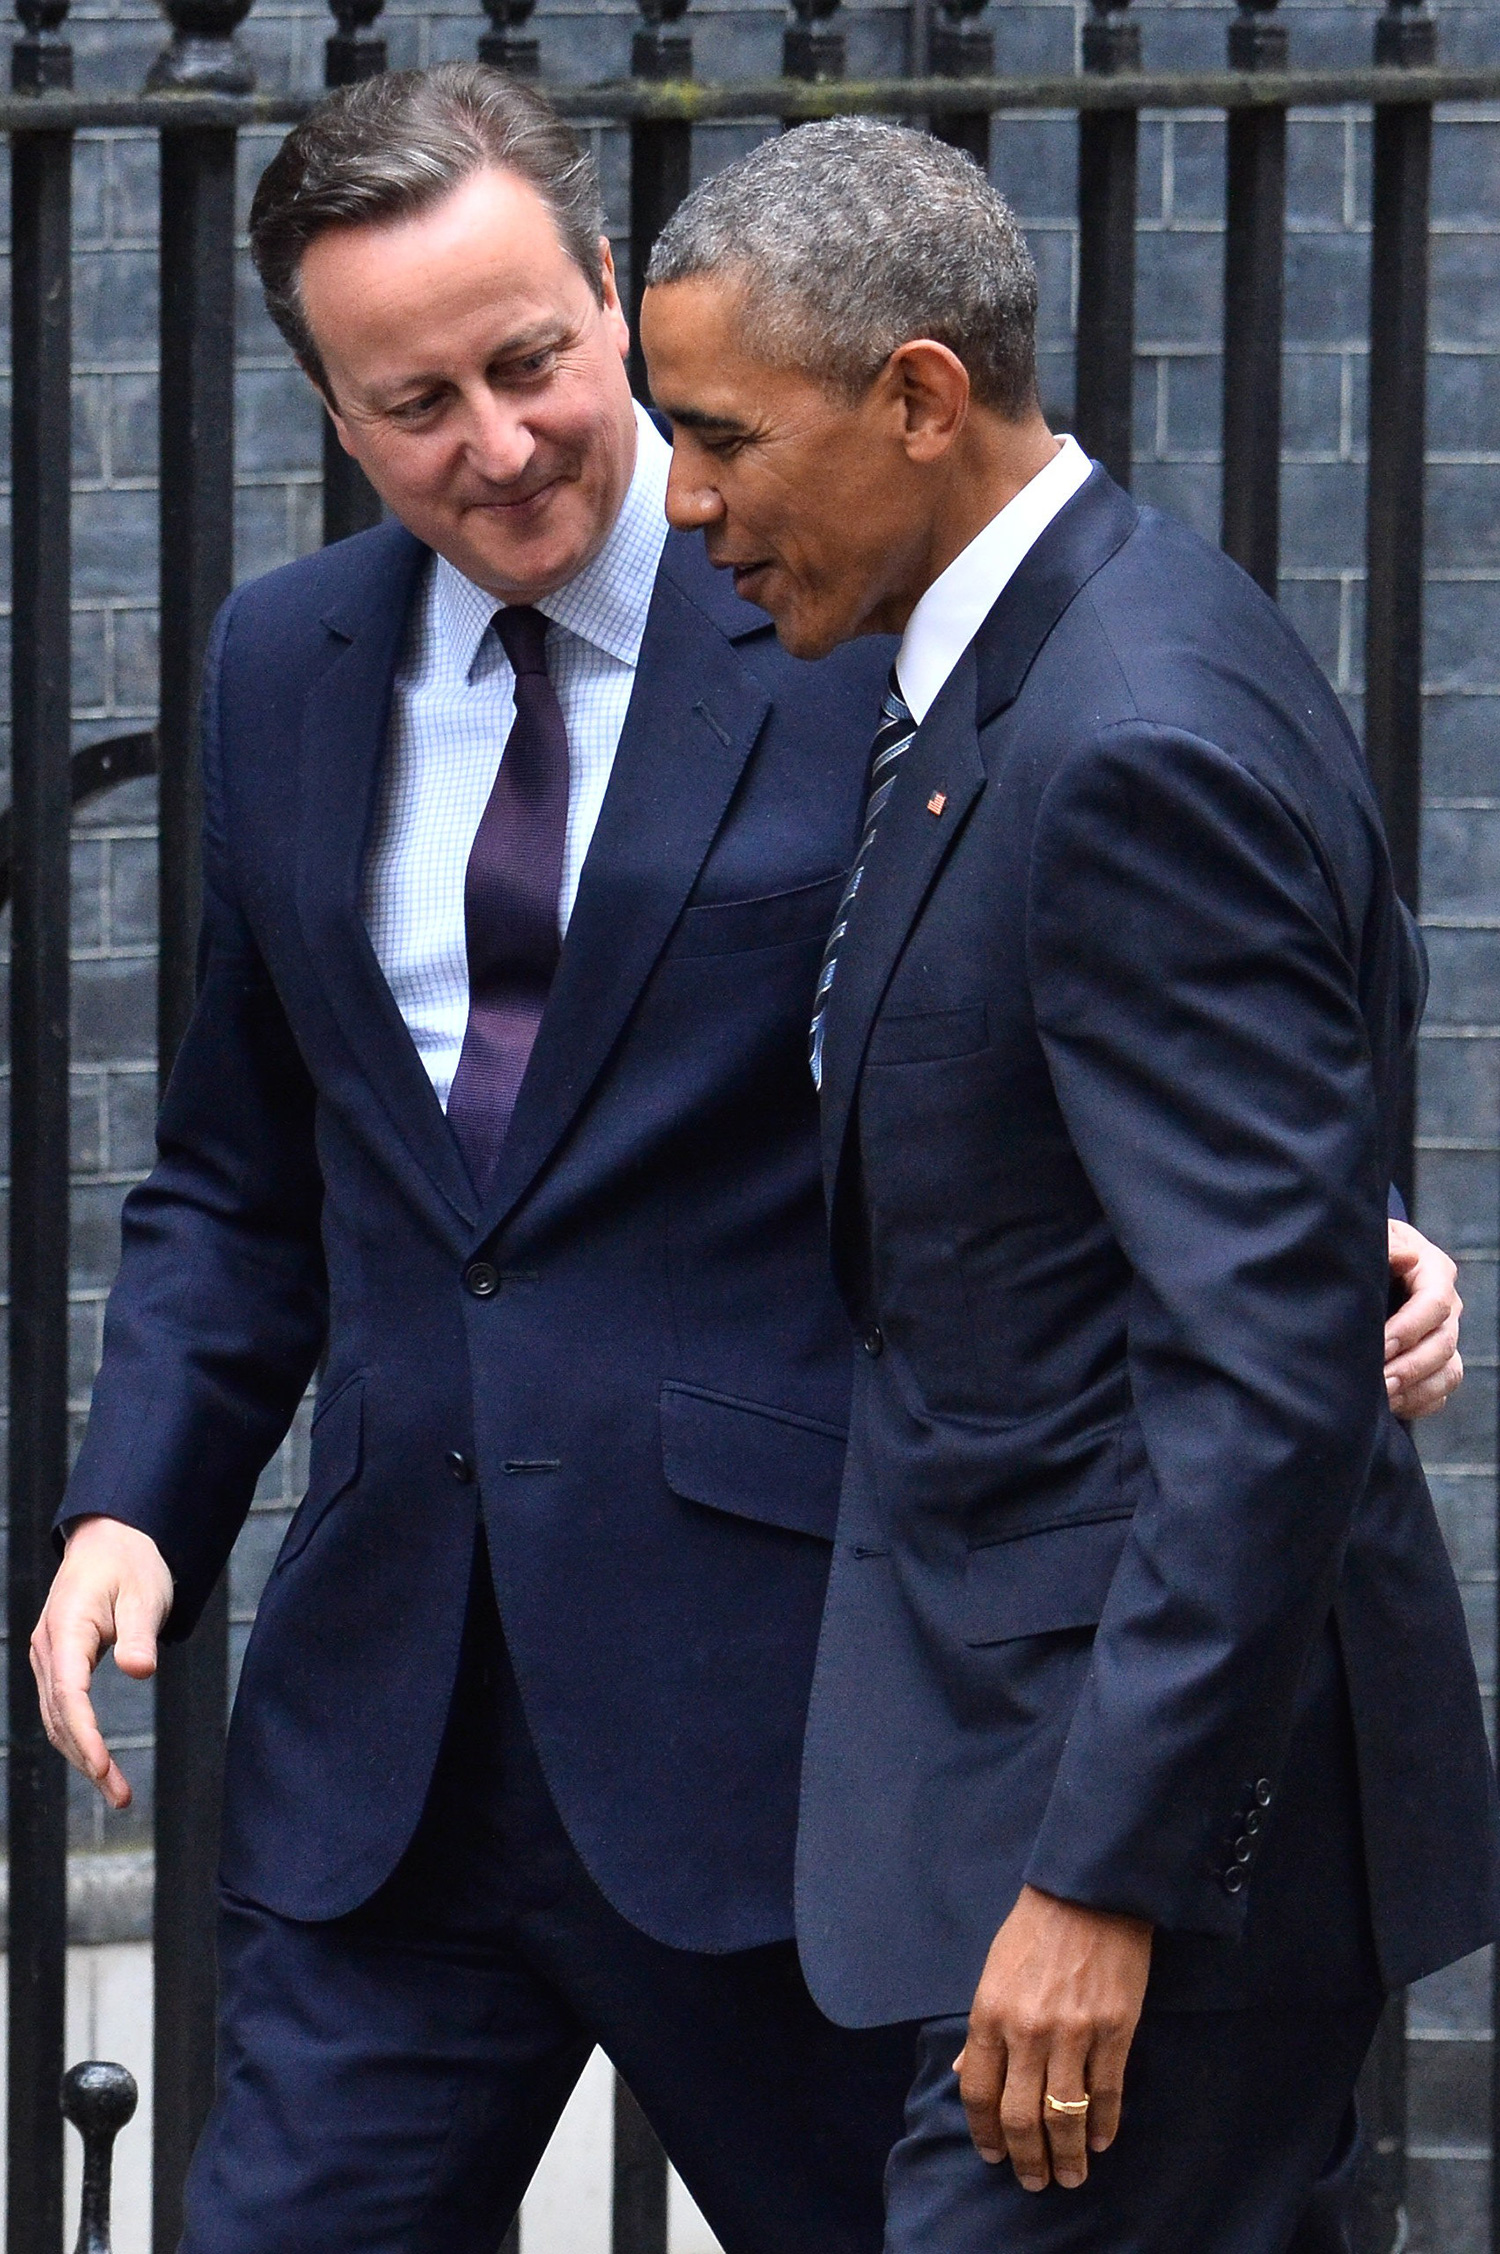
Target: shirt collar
{"type": "Point", "coordinates": [959, 600]}
{"type": "Point", "coordinates": [606, 604]}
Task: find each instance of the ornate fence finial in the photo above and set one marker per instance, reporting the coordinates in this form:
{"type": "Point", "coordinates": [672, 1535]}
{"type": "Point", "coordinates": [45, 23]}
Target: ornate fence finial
{"type": "Point", "coordinates": [810, 53]}
{"type": "Point", "coordinates": [347, 58]}
{"type": "Point", "coordinates": [98, 2099]}
{"type": "Point", "coordinates": [1257, 38]}
{"type": "Point", "coordinates": [41, 62]}
{"type": "Point", "coordinates": [204, 56]}
{"type": "Point", "coordinates": [500, 45]}
{"type": "Point", "coordinates": [1111, 42]}
{"type": "Point", "coordinates": [958, 48]}
{"type": "Point", "coordinates": [1405, 34]}
{"type": "Point", "coordinates": [658, 54]}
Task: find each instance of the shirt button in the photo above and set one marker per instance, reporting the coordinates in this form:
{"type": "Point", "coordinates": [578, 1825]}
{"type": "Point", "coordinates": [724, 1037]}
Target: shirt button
{"type": "Point", "coordinates": [875, 1341]}
{"type": "Point", "coordinates": [461, 1466]}
{"type": "Point", "coordinates": [482, 1279]}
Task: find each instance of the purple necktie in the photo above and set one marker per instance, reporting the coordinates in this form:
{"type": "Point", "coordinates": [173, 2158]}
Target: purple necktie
{"type": "Point", "coordinates": [510, 902]}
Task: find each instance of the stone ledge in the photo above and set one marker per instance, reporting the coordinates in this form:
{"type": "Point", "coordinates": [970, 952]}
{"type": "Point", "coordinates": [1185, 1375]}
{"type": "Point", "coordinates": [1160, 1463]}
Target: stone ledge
{"type": "Point", "coordinates": [109, 1896]}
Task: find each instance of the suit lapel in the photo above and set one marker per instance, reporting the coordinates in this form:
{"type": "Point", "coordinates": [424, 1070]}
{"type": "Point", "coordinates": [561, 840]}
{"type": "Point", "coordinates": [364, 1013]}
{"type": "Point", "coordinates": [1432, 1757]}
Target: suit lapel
{"type": "Point", "coordinates": [944, 765]}
{"type": "Point", "coordinates": [694, 717]}
{"type": "Point", "coordinates": [343, 741]}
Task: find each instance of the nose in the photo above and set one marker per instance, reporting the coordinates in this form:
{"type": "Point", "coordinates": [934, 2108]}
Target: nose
{"type": "Point", "coordinates": [693, 502]}
{"type": "Point", "coordinates": [498, 443]}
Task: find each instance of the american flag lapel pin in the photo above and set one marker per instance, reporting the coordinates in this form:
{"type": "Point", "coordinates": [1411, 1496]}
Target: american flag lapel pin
{"type": "Point", "coordinates": [937, 802]}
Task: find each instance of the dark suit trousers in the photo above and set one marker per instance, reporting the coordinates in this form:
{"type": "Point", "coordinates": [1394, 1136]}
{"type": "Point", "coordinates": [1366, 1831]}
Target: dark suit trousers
{"type": "Point", "coordinates": [389, 2080]}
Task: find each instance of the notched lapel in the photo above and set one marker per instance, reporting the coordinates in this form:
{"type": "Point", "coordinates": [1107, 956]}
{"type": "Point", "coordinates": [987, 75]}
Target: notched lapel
{"type": "Point", "coordinates": [694, 717]}
{"type": "Point", "coordinates": [939, 778]}
{"type": "Point", "coordinates": [343, 741]}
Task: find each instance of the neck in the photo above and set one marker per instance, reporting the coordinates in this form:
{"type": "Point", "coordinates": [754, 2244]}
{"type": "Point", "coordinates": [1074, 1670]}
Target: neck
{"type": "Point", "coordinates": [990, 464]}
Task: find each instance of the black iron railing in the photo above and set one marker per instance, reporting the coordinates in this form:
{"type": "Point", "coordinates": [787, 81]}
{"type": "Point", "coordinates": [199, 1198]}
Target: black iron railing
{"type": "Point", "coordinates": [200, 95]}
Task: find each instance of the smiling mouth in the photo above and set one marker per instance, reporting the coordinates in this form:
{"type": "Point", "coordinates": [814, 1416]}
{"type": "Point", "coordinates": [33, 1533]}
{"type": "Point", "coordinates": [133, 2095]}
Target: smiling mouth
{"type": "Point", "coordinates": [514, 504]}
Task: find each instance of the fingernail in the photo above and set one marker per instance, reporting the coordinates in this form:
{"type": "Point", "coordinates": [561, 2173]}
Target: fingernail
{"type": "Point", "coordinates": [1098, 2144]}
{"type": "Point", "coordinates": [992, 2159]}
{"type": "Point", "coordinates": [1033, 2183]}
{"type": "Point", "coordinates": [1068, 2180]}
{"type": "Point", "coordinates": [1391, 1386]}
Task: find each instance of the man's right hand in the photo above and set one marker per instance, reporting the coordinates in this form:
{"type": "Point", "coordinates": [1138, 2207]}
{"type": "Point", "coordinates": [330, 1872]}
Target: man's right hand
{"type": "Point", "coordinates": [112, 1588]}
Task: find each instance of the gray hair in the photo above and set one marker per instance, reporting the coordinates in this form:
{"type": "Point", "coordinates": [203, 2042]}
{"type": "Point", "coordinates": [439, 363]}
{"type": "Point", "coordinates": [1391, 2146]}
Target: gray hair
{"type": "Point", "coordinates": [851, 237]}
{"type": "Point", "coordinates": [393, 146]}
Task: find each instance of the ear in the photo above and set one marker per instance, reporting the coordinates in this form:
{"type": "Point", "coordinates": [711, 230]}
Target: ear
{"type": "Point", "coordinates": [930, 386]}
{"type": "Point", "coordinates": [614, 312]}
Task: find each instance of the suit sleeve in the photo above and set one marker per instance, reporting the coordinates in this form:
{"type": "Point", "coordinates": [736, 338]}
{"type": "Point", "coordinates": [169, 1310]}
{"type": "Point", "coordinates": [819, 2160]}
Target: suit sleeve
{"type": "Point", "coordinates": [219, 1308]}
{"type": "Point", "coordinates": [1199, 1001]}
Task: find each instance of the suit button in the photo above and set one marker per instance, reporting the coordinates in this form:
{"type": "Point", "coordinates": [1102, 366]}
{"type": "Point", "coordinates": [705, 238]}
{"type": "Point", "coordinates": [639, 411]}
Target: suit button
{"type": "Point", "coordinates": [1252, 1822]}
{"type": "Point", "coordinates": [1243, 1850]}
{"type": "Point", "coordinates": [482, 1279]}
{"type": "Point", "coordinates": [1263, 1792]}
{"type": "Point", "coordinates": [1234, 1880]}
{"type": "Point", "coordinates": [875, 1341]}
{"type": "Point", "coordinates": [461, 1466]}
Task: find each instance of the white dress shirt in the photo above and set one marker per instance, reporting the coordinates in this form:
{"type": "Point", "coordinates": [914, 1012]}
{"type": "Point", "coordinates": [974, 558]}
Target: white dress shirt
{"type": "Point", "coordinates": [959, 600]}
{"type": "Point", "coordinates": [451, 712]}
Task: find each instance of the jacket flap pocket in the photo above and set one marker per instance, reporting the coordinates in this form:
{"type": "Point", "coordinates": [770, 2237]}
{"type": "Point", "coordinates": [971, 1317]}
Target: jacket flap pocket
{"type": "Point", "coordinates": [724, 927]}
{"type": "Point", "coordinates": [337, 1451]}
{"type": "Point", "coordinates": [754, 1461]}
{"type": "Point", "coordinates": [1058, 1577]}
{"type": "Point", "coordinates": [927, 1036]}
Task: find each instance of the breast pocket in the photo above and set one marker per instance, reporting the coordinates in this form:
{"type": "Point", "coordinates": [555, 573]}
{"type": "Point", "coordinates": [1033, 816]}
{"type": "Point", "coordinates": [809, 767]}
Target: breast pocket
{"type": "Point", "coordinates": [777, 919]}
{"type": "Point", "coordinates": [337, 1454]}
{"type": "Point", "coordinates": [1037, 1583]}
{"type": "Point", "coordinates": [928, 1036]}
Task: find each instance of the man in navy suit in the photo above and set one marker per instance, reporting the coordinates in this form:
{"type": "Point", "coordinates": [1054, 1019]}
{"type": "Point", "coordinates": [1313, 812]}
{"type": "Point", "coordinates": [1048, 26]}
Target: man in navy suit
{"type": "Point", "coordinates": [1145, 1751]}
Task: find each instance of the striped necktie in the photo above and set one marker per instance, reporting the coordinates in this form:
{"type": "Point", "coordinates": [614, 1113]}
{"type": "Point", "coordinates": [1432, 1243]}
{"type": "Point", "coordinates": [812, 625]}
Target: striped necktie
{"type": "Point", "coordinates": [897, 727]}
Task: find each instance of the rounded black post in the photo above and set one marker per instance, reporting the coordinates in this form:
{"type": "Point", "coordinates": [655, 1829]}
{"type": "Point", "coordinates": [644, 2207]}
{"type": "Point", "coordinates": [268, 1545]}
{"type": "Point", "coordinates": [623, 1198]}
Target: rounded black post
{"type": "Point", "coordinates": [639, 2217]}
{"type": "Point", "coordinates": [350, 502]}
{"type": "Point", "coordinates": [350, 54]}
{"type": "Point", "coordinates": [40, 688]}
{"type": "Point", "coordinates": [959, 47]}
{"type": "Point", "coordinates": [1254, 262]}
{"type": "Point", "coordinates": [504, 44]}
{"type": "Point", "coordinates": [661, 153]}
{"type": "Point", "coordinates": [811, 49]}
{"type": "Point", "coordinates": [203, 55]}
{"type": "Point", "coordinates": [98, 2099]}
{"type": "Point", "coordinates": [197, 569]}
{"type": "Point", "coordinates": [1106, 248]}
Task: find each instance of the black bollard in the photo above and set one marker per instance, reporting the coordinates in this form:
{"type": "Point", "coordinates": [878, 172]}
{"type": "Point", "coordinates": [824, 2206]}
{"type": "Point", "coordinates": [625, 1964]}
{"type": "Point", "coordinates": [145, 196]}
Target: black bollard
{"type": "Point", "coordinates": [98, 2099]}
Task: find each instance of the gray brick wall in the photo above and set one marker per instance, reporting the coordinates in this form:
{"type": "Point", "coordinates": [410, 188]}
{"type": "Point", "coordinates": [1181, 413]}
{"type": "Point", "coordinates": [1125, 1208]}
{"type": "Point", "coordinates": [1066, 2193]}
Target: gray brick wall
{"type": "Point", "coordinates": [1178, 378]}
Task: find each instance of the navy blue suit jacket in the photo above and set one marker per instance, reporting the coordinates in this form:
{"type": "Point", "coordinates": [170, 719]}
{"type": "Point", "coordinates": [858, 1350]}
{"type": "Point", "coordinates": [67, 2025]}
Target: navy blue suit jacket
{"type": "Point", "coordinates": [1109, 1076]}
{"type": "Point", "coordinates": [655, 1395]}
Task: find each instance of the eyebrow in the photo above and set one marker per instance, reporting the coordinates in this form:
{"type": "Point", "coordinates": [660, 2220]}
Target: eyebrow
{"type": "Point", "coordinates": [694, 418]}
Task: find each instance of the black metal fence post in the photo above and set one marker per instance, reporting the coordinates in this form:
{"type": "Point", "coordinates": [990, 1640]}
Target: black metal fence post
{"type": "Point", "coordinates": [810, 48]}
{"type": "Point", "coordinates": [961, 49]}
{"type": "Point", "coordinates": [661, 155]}
{"type": "Point", "coordinates": [505, 44]}
{"type": "Point", "coordinates": [350, 502]}
{"type": "Point", "coordinates": [1254, 263]}
{"type": "Point", "coordinates": [197, 565]}
{"type": "Point", "coordinates": [41, 722]}
{"type": "Point", "coordinates": [98, 2099]}
{"type": "Point", "coordinates": [1105, 385]}
{"type": "Point", "coordinates": [1401, 202]}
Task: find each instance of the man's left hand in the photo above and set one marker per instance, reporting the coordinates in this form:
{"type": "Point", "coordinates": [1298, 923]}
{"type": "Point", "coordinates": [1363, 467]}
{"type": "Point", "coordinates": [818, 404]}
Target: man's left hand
{"type": "Point", "coordinates": [1423, 1367]}
{"type": "Point", "coordinates": [1054, 2014]}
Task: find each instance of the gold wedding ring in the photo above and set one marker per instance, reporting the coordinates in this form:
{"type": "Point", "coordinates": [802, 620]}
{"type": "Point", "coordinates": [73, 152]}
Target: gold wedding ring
{"type": "Point", "coordinates": [1069, 2107]}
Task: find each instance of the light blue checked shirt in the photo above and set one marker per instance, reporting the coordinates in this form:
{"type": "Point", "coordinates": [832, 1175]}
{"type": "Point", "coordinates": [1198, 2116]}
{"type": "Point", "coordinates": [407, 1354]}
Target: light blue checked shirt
{"type": "Point", "coordinates": [452, 710]}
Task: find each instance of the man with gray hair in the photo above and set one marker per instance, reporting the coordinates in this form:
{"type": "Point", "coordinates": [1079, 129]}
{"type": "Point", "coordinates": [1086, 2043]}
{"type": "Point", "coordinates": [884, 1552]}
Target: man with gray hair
{"type": "Point", "coordinates": [1145, 1753]}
